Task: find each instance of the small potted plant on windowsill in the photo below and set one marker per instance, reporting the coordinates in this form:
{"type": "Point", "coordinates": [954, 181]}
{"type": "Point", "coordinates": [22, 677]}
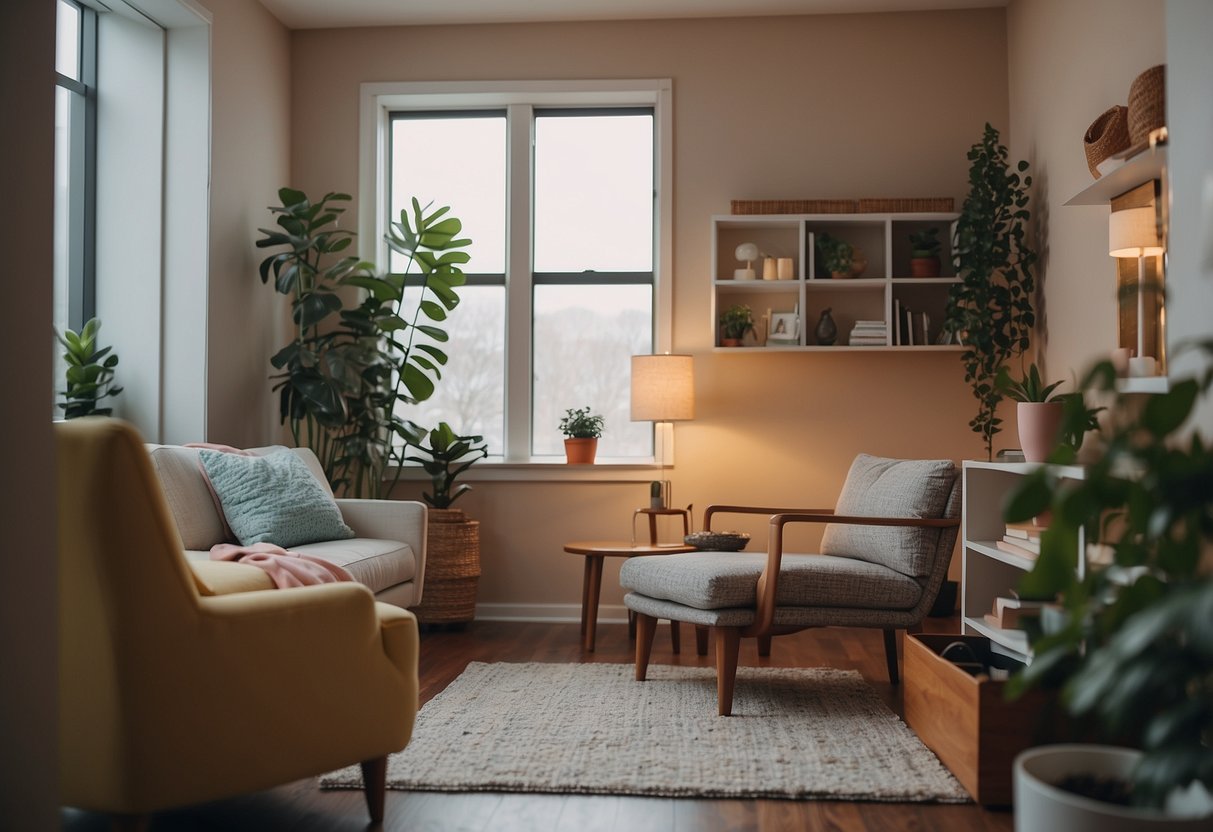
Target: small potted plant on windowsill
{"type": "Point", "coordinates": [582, 430]}
{"type": "Point", "coordinates": [90, 372]}
{"type": "Point", "coordinates": [924, 253]}
{"type": "Point", "coordinates": [735, 322]}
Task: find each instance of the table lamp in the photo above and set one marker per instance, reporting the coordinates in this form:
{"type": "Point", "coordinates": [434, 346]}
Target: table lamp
{"type": "Point", "coordinates": [1133, 233]}
{"type": "Point", "coordinates": [663, 390]}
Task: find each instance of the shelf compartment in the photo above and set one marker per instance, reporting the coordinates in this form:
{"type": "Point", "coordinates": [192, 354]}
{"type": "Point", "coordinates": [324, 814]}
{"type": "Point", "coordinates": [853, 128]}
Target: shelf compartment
{"type": "Point", "coordinates": [990, 549]}
{"type": "Point", "coordinates": [1014, 642]}
{"type": "Point", "coordinates": [869, 236]}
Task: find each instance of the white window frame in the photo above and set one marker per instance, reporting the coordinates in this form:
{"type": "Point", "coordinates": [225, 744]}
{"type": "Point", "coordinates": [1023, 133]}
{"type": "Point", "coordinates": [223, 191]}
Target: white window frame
{"type": "Point", "coordinates": [378, 100]}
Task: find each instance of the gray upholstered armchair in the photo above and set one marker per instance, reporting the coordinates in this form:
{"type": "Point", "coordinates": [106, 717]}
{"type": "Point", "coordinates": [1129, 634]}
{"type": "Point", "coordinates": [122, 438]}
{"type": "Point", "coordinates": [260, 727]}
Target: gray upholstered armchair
{"type": "Point", "coordinates": [884, 556]}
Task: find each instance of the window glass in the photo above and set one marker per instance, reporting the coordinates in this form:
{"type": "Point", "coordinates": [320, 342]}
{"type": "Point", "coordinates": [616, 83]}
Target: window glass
{"type": "Point", "coordinates": [457, 160]}
{"type": "Point", "coordinates": [593, 192]}
{"type": "Point", "coordinates": [67, 40]}
{"type": "Point", "coordinates": [584, 339]}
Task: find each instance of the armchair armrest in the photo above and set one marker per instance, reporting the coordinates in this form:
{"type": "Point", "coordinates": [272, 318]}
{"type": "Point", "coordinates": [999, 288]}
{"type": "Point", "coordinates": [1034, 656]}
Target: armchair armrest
{"type": "Point", "coordinates": [710, 510]}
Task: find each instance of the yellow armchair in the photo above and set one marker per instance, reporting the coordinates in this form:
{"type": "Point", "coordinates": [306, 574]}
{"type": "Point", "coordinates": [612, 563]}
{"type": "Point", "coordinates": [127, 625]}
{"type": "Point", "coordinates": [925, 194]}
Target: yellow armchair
{"type": "Point", "coordinates": [169, 696]}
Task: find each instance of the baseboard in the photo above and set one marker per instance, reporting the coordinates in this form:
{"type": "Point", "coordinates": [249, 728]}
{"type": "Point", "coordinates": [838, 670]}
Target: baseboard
{"type": "Point", "coordinates": [549, 613]}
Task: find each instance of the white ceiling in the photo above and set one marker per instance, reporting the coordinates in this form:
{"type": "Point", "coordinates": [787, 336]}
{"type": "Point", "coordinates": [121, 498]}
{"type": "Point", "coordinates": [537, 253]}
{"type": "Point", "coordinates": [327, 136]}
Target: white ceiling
{"type": "Point", "coordinates": [326, 14]}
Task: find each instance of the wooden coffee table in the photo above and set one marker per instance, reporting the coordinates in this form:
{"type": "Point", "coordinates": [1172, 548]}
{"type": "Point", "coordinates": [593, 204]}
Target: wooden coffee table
{"type": "Point", "coordinates": [597, 551]}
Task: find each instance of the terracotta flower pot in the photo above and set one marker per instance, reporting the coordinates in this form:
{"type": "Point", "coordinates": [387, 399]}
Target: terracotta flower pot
{"type": "Point", "coordinates": [1039, 428]}
{"type": "Point", "coordinates": [924, 266]}
{"type": "Point", "coordinates": [580, 451]}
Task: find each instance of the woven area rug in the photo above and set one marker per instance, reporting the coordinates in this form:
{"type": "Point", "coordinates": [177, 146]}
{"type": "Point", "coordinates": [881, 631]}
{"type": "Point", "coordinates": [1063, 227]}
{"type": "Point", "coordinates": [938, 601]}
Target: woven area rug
{"type": "Point", "coordinates": [592, 729]}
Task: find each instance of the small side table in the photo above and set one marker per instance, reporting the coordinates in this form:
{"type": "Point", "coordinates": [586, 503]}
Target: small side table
{"type": "Point", "coordinates": [595, 552]}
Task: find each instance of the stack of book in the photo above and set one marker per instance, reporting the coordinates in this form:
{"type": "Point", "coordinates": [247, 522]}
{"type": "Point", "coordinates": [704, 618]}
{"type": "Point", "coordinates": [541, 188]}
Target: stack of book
{"type": "Point", "coordinates": [1009, 613]}
{"type": "Point", "coordinates": [910, 327]}
{"type": "Point", "coordinates": [869, 334]}
{"type": "Point", "coordinates": [1022, 539]}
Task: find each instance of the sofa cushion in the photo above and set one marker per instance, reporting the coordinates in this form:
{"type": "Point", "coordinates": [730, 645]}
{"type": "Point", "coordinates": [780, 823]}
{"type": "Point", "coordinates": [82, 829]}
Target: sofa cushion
{"type": "Point", "coordinates": [378, 564]}
{"type": "Point", "coordinates": [878, 487]}
{"type": "Point", "coordinates": [189, 500]}
{"type": "Point", "coordinates": [273, 499]}
{"type": "Point", "coordinates": [720, 580]}
{"type": "Point", "coordinates": [221, 577]}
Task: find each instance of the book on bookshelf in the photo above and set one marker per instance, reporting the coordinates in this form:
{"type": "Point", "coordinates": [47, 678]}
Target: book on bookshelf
{"type": "Point", "coordinates": [1025, 531]}
{"type": "Point", "coordinates": [1014, 549]}
{"type": "Point", "coordinates": [1023, 543]}
{"type": "Point", "coordinates": [896, 322]}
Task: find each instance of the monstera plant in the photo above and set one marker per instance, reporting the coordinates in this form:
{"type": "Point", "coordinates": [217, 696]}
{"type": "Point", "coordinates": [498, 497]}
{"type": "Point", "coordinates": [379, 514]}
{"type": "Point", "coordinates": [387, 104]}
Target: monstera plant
{"type": "Point", "coordinates": [350, 364]}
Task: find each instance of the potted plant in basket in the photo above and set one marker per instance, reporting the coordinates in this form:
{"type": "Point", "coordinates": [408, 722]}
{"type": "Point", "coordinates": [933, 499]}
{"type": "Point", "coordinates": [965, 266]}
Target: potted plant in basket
{"type": "Point", "coordinates": [735, 322]}
{"type": "Point", "coordinates": [990, 309]}
{"type": "Point", "coordinates": [452, 563]}
{"type": "Point", "coordinates": [1131, 648]}
{"type": "Point", "coordinates": [582, 430]}
{"type": "Point", "coordinates": [924, 253]}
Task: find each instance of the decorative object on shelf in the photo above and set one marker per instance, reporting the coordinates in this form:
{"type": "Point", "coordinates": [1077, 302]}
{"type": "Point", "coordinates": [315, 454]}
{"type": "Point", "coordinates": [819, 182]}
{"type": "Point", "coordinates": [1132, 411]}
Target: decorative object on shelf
{"type": "Point", "coordinates": [827, 330]}
{"type": "Point", "coordinates": [1132, 232]}
{"type": "Point", "coordinates": [914, 205]}
{"type": "Point", "coordinates": [717, 541]}
{"type": "Point", "coordinates": [663, 390]}
{"type": "Point", "coordinates": [447, 456]}
{"type": "Point", "coordinates": [785, 269]}
{"type": "Point", "coordinates": [792, 206]}
{"type": "Point", "coordinates": [836, 255]}
{"type": "Point", "coordinates": [90, 372]}
{"type": "Point", "coordinates": [1147, 104]}
{"type": "Point", "coordinates": [583, 430]}
{"type": "Point", "coordinates": [991, 307]}
{"type": "Point", "coordinates": [785, 329]}
{"type": "Point", "coordinates": [1107, 136]}
{"type": "Point", "coordinates": [1038, 412]}
{"type": "Point", "coordinates": [924, 252]}
{"type": "Point", "coordinates": [1132, 651]}
{"type": "Point", "coordinates": [768, 269]}
{"type": "Point", "coordinates": [735, 322]}
{"type": "Point", "coordinates": [657, 494]}
{"type": "Point", "coordinates": [748, 253]}
{"type": "Point", "coordinates": [452, 568]}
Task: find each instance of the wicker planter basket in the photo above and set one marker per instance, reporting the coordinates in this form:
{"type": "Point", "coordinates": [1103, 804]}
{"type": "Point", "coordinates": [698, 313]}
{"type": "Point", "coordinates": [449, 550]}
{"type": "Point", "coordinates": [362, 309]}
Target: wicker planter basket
{"type": "Point", "coordinates": [1147, 103]}
{"type": "Point", "coordinates": [1107, 135]}
{"type": "Point", "coordinates": [452, 568]}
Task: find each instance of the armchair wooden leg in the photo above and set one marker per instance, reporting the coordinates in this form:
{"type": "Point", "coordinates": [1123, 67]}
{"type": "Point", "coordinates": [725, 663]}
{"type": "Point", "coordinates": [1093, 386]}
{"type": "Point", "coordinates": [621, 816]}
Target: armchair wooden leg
{"type": "Point", "coordinates": [890, 655]}
{"type": "Point", "coordinates": [676, 636]}
{"type": "Point", "coordinates": [646, 628]}
{"type": "Point", "coordinates": [728, 640]}
{"type": "Point", "coordinates": [701, 639]}
{"type": "Point", "coordinates": [374, 786]}
{"type": "Point", "coordinates": [764, 646]}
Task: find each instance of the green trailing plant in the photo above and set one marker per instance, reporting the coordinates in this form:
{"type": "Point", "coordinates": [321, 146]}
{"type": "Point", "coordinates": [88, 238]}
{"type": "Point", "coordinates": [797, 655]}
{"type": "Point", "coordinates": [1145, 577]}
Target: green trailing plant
{"type": "Point", "coordinates": [836, 255]}
{"type": "Point", "coordinates": [1131, 646]}
{"type": "Point", "coordinates": [351, 364]}
{"type": "Point", "coordinates": [447, 456]}
{"type": "Point", "coordinates": [90, 372]}
{"type": "Point", "coordinates": [580, 423]}
{"type": "Point", "coordinates": [991, 308]}
{"type": "Point", "coordinates": [924, 243]}
{"type": "Point", "coordinates": [736, 321]}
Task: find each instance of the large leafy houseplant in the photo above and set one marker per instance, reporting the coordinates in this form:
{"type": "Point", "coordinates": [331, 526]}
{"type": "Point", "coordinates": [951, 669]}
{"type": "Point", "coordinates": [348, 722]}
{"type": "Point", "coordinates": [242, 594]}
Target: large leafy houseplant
{"type": "Point", "coordinates": [89, 376]}
{"type": "Point", "coordinates": [991, 307]}
{"type": "Point", "coordinates": [350, 364]}
{"type": "Point", "coordinates": [1131, 647]}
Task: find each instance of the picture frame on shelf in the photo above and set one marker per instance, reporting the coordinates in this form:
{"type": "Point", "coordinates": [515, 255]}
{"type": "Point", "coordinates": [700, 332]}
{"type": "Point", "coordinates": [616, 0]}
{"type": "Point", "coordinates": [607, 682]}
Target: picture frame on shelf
{"type": "Point", "coordinates": [784, 329]}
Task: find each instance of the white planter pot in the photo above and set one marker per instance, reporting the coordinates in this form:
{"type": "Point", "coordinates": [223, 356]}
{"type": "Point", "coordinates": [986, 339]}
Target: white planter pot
{"type": "Point", "coordinates": [1042, 807]}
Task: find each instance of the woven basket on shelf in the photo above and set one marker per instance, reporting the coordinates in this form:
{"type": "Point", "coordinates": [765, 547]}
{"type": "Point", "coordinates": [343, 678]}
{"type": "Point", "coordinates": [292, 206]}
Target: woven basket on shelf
{"type": "Point", "coordinates": [792, 206]}
{"type": "Point", "coordinates": [1107, 135]}
{"type": "Point", "coordinates": [933, 204]}
{"type": "Point", "coordinates": [1147, 103]}
{"type": "Point", "coordinates": [452, 568]}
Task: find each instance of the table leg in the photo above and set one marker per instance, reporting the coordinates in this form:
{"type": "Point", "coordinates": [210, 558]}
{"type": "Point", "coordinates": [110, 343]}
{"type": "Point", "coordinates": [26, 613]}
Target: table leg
{"type": "Point", "coordinates": [585, 594]}
{"type": "Point", "coordinates": [591, 606]}
{"type": "Point", "coordinates": [652, 529]}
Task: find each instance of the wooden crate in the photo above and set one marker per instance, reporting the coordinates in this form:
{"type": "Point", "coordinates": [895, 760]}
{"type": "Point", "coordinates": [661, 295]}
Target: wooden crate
{"type": "Point", "coordinates": [964, 719]}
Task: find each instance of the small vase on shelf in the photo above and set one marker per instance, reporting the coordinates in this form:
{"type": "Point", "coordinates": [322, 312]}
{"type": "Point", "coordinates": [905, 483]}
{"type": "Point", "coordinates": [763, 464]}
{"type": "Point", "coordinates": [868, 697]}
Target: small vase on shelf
{"type": "Point", "coordinates": [827, 331]}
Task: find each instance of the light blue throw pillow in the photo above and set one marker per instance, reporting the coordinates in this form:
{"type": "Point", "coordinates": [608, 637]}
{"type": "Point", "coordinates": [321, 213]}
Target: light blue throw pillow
{"type": "Point", "coordinates": [273, 499]}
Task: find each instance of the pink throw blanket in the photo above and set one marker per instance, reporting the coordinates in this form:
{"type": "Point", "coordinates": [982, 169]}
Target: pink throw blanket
{"type": "Point", "coordinates": [286, 569]}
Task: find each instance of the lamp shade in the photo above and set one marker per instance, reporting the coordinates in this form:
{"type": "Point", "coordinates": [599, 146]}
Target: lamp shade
{"type": "Point", "coordinates": [1133, 233]}
{"type": "Point", "coordinates": [663, 388]}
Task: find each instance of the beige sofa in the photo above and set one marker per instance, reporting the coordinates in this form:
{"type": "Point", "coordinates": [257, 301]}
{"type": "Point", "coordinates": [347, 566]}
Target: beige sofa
{"type": "Point", "coordinates": [387, 554]}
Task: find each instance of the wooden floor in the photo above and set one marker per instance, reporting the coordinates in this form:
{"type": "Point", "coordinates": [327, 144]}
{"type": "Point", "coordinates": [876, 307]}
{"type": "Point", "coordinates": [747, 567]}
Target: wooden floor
{"type": "Point", "coordinates": [302, 806]}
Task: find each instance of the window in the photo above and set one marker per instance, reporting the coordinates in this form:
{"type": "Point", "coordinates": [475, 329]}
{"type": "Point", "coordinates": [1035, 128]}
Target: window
{"type": "Point", "coordinates": [560, 193]}
{"type": "Point", "coordinates": [75, 174]}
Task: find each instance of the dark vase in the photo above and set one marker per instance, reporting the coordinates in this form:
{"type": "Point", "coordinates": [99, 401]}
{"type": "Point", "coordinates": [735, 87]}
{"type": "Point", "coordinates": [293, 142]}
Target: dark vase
{"type": "Point", "coordinates": [827, 332]}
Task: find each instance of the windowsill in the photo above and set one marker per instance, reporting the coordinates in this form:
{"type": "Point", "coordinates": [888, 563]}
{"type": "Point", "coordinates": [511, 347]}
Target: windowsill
{"type": "Point", "coordinates": [553, 470]}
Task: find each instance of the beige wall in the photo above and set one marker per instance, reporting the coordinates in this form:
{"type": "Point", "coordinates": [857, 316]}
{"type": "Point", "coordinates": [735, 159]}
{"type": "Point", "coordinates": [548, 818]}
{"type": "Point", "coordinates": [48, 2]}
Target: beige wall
{"type": "Point", "coordinates": [861, 105]}
{"type": "Point", "coordinates": [1070, 61]}
{"type": "Point", "coordinates": [250, 160]}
